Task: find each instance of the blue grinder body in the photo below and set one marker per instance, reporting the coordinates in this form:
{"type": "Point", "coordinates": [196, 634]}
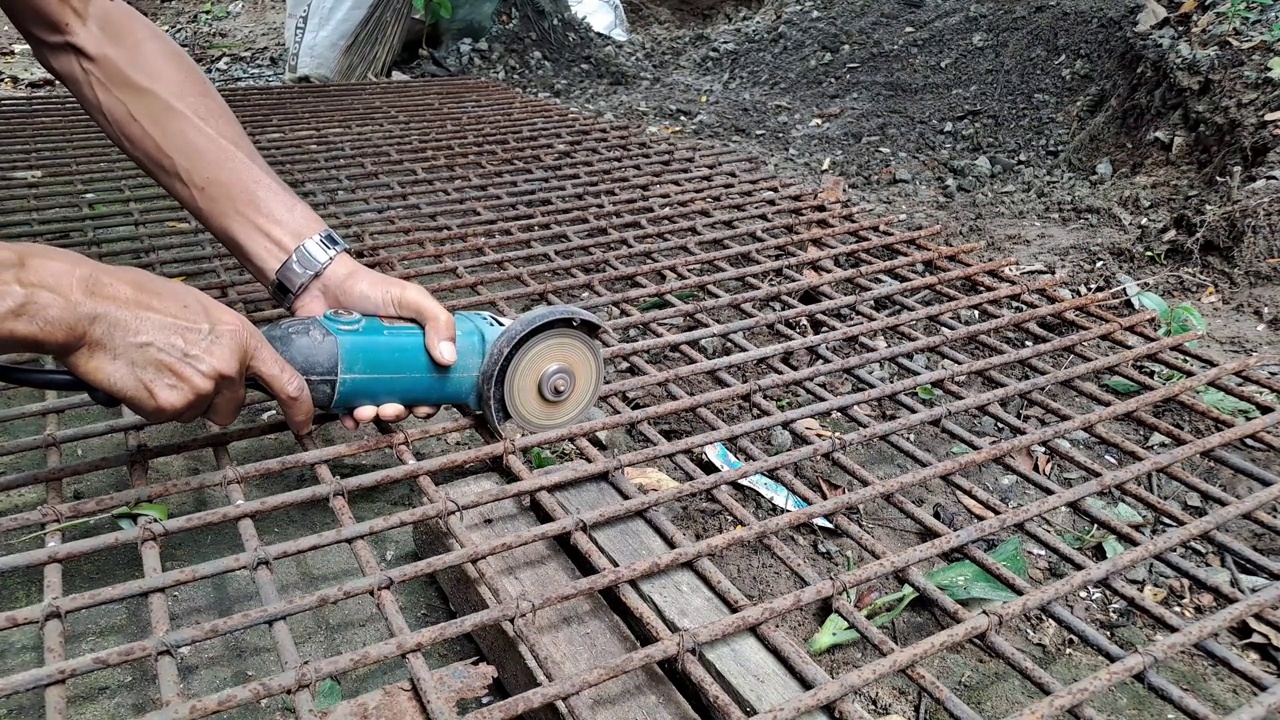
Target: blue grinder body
{"type": "Point", "coordinates": [350, 360]}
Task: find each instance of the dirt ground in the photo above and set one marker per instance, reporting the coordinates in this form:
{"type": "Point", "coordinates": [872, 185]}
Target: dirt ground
{"type": "Point", "coordinates": [1050, 129]}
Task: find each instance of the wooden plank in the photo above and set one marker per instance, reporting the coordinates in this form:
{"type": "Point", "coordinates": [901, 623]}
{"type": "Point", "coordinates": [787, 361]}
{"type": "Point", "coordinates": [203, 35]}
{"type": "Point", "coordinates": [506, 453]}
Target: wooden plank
{"type": "Point", "coordinates": [750, 672]}
{"type": "Point", "coordinates": [571, 637]}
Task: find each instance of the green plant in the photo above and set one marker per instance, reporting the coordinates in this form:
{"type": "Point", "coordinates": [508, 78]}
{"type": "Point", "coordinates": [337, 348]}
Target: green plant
{"type": "Point", "coordinates": [1180, 319]}
{"type": "Point", "coordinates": [1237, 11]}
{"type": "Point", "coordinates": [433, 10]}
{"type": "Point", "coordinates": [960, 581]}
{"type": "Point", "coordinates": [1213, 397]}
{"type": "Point", "coordinates": [126, 517]}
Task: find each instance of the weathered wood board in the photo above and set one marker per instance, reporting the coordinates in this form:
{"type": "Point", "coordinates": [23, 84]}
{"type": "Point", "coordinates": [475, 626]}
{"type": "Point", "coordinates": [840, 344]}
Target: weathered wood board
{"type": "Point", "coordinates": [571, 637]}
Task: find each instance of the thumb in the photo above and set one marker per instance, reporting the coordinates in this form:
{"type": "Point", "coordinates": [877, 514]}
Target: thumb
{"type": "Point", "coordinates": [414, 303]}
{"type": "Point", "coordinates": [284, 383]}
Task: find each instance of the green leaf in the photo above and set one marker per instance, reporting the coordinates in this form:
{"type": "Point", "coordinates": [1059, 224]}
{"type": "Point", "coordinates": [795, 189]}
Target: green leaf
{"type": "Point", "coordinates": [155, 511]}
{"type": "Point", "coordinates": [1122, 385]}
{"type": "Point", "coordinates": [965, 581]}
{"type": "Point", "coordinates": [541, 458]}
{"type": "Point", "coordinates": [444, 9]}
{"type": "Point", "coordinates": [1127, 515]}
{"type": "Point", "coordinates": [1153, 302]}
{"type": "Point", "coordinates": [654, 303]}
{"type": "Point", "coordinates": [420, 7]}
{"type": "Point", "coordinates": [960, 581]}
{"type": "Point", "coordinates": [1112, 547]}
{"type": "Point", "coordinates": [328, 694]}
{"type": "Point", "coordinates": [926, 392]}
{"type": "Point", "coordinates": [960, 450]}
{"type": "Point", "coordinates": [125, 523]}
{"type": "Point", "coordinates": [1227, 404]}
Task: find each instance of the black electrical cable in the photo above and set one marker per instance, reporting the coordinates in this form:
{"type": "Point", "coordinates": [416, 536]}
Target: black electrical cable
{"type": "Point", "coordinates": [64, 381]}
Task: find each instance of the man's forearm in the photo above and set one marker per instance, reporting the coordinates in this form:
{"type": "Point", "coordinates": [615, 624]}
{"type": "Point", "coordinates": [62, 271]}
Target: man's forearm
{"type": "Point", "coordinates": [153, 101]}
{"type": "Point", "coordinates": [39, 289]}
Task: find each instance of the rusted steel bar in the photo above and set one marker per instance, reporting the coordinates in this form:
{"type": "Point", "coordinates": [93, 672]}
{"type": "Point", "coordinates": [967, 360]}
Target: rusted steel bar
{"type": "Point", "coordinates": [1119, 671]}
{"type": "Point", "coordinates": [166, 666]}
{"type": "Point", "coordinates": [514, 133]}
{"type": "Point", "coordinates": [979, 623]}
{"type": "Point", "coordinates": [1181, 366]}
{"type": "Point", "coordinates": [1159, 685]}
{"type": "Point", "coordinates": [384, 598]}
{"type": "Point", "coordinates": [53, 631]}
{"type": "Point", "coordinates": [381, 477]}
{"type": "Point", "coordinates": [913, 577]}
{"type": "Point", "coordinates": [936, 690]}
{"type": "Point", "coordinates": [159, 490]}
{"type": "Point", "coordinates": [1097, 395]}
{"type": "Point", "coordinates": [786, 648]}
{"type": "Point", "coordinates": [363, 185]}
{"type": "Point", "coordinates": [179, 638]}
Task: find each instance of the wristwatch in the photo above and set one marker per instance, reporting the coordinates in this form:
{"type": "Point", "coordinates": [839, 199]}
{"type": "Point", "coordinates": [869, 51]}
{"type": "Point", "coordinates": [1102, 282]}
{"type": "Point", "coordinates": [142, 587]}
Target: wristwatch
{"type": "Point", "coordinates": [305, 264]}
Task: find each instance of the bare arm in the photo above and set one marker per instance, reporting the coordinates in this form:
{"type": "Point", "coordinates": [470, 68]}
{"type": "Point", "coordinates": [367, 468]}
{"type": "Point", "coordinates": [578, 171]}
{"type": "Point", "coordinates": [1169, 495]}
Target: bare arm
{"type": "Point", "coordinates": [154, 102]}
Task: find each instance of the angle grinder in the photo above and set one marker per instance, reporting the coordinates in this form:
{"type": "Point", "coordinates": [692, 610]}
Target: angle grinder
{"type": "Point", "coordinates": [542, 370]}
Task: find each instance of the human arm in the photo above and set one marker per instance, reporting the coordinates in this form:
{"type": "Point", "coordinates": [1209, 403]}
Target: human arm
{"type": "Point", "coordinates": [152, 101]}
{"type": "Point", "coordinates": [164, 350]}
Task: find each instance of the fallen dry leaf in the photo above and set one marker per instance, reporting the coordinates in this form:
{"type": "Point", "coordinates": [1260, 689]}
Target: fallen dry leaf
{"type": "Point", "coordinates": [1151, 15]}
{"type": "Point", "coordinates": [1210, 295]}
{"type": "Point", "coordinates": [1271, 634]}
{"type": "Point", "coordinates": [649, 479]}
{"type": "Point", "coordinates": [1188, 7]}
{"type": "Point", "coordinates": [810, 424]}
{"type": "Point", "coordinates": [1272, 116]}
{"type": "Point", "coordinates": [826, 434]}
{"type": "Point", "coordinates": [1155, 594]}
{"type": "Point", "coordinates": [974, 507]}
{"type": "Point", "coordinates": [1024, 460]}
{"type": "Point", "coordinates": [830, 490]}
{"type": "Point", "coordinates": [1043, 464]}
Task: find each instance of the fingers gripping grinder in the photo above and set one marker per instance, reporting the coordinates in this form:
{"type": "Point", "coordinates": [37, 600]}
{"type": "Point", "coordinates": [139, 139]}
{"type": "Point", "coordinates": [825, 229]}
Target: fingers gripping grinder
{"type": "Point", "coordinates": [543, 370]}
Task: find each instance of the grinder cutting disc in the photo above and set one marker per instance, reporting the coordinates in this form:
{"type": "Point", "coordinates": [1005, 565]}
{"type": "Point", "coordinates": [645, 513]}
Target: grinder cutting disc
{"type": "Point", "coordinates": [544, 371]}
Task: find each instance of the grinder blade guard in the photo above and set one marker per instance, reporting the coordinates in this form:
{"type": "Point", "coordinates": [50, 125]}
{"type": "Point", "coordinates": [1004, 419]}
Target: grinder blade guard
{"type": "Point", "coordinates": [544, 371]}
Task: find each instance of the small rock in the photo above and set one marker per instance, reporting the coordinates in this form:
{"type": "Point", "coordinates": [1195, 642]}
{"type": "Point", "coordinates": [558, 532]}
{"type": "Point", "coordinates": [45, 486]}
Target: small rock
{"type": "Point", "coordinates": [712, 347]}
{"type": "Point", "coordinates": [1138, 574]}
{"type": "Point", "coordinates": [1104, 169]}
{"type": "Point", "coordinates": [1004, 163]}
{"type": "Point", "coordinates": [983, 166]}
{"type": "Point", "coordinates": [902, 176]}
{"type": "Point", "coordinates": [950, 188]}
{"type": "Point", "coordinates": [779, 441]}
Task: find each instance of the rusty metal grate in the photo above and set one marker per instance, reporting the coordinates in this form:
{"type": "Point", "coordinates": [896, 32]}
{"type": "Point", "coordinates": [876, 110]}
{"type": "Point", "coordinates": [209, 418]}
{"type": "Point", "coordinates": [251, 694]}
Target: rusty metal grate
{"type": "Point", "coordinates": [927, 404]}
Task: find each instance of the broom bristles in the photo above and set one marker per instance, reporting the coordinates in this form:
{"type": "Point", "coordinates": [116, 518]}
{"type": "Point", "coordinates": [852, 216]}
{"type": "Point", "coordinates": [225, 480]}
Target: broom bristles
{"type": "Point", "coordinates": [376, 41]}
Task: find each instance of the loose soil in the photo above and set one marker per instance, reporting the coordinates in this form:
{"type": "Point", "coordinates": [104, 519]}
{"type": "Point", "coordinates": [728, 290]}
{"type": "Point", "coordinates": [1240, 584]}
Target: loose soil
{"type": "Point", "coordinates": [1051, 130]}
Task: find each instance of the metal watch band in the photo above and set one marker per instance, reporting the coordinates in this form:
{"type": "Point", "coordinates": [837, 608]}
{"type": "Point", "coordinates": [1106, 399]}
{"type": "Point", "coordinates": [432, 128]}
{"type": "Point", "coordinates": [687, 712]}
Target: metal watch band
{"type": "Point", "coordinates": [305, 264]}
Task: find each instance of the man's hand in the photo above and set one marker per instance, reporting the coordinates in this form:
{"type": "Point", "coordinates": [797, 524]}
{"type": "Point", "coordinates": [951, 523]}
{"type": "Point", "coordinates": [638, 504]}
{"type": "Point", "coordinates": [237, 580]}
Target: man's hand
{"type": "Point", "coordinates": [348, 285]}
{"type": "Point", "coordinates": [165, 350]}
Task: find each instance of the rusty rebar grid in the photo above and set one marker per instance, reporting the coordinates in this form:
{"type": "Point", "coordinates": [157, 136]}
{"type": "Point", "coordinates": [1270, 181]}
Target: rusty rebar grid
{"type": "Point", "coordinates": [798, 331]}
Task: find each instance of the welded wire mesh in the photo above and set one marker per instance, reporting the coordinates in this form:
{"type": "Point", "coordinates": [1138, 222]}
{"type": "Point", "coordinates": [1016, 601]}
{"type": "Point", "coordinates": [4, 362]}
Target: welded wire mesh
{"type": "Point", "coordinates": [926, 406]}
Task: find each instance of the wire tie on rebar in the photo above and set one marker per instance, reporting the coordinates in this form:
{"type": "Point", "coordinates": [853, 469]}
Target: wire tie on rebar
{"type": "Point", "coordinates": [305, 677]}
{"type": "Point", "coordinates": [161, 645]}
{"type": "Point", "coordinates": [50, 609]}
{"type": "Point", "coordinates": [50, 438]}
{"type": "Point", "coordinates": [46, 510]}
{"type": "Point", "coordinates": [336, 488]}
{"type": "Point", "coordinates": [522, 602]}
{"type": "Point", "coordinates": [385, 582]}
{"type": "Point", "coordinates": [260, 557]}
{"type": "Point", "coordinates": [234, 472]}
{"type": "Point", "coordinates": [145, 533]}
